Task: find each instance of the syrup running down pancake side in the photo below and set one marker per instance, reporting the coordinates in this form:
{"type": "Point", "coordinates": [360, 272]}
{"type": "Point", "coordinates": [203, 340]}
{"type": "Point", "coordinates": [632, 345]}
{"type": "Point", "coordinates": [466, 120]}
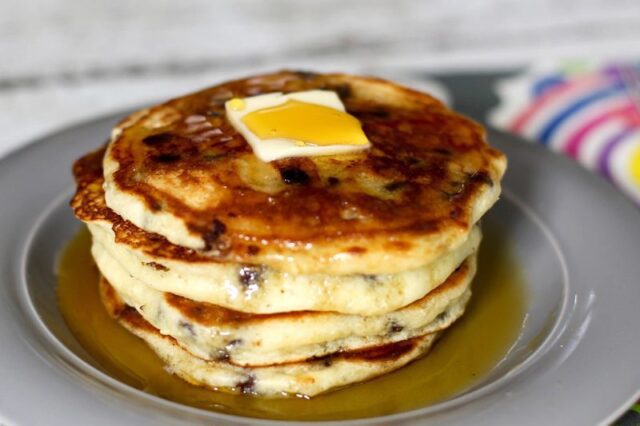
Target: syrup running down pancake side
{"type": "Point", "coordinates": [459, 360]}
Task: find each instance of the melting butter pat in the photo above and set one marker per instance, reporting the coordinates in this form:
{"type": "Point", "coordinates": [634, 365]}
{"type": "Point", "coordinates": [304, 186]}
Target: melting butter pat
{"type": "Point", "coordinates": [297, 124]}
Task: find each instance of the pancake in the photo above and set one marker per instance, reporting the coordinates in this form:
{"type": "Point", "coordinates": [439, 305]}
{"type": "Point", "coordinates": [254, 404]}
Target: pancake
{"type": "Point", "coordinates": [180, 170]}
{"type": "Point", "coordinates": [298, 275]}
{"type": "Point", "coordinates": [212, 332]}
{"type": "Point", "coordinates": [309, 377]}
{"type": "Point", "coordinates": [152, 260]}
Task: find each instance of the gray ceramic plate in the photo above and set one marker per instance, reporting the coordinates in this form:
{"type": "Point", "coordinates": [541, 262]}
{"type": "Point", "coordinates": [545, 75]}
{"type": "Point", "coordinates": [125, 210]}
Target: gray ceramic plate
{"type": "Point", "coordinates": [575, 362]}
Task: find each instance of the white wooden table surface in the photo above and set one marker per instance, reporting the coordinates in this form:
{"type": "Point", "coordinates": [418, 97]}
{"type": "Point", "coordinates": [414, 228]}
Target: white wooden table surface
{"type": "Point", "coordinates": [68, 60]}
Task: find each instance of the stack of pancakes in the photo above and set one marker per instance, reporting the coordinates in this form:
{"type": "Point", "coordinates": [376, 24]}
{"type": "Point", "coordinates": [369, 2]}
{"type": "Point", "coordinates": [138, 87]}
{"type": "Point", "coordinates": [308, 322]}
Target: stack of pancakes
{"type": "Point", "coordinates": [294, 276]}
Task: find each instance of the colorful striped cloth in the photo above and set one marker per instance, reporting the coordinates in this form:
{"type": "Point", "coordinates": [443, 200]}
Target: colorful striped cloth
{"type": "Point", "coordinates": [589, 112]}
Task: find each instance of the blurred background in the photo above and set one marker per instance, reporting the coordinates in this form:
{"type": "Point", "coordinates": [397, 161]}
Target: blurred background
{"type": "Point", "coordinates": [69, 60]}
{"type": "Point", "coordinates": [563, 73]}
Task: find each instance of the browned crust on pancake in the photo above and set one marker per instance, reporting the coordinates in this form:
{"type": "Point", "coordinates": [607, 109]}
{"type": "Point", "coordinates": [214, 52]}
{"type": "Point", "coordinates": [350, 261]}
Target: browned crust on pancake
{"type": "Point", "coordinates": [389, 352]}
{"type": "Point", "coordinates": [119, 310]}
{"type": "Point", "coordinates": [89, 205]}
{"type": "Point", "coordinates": [132, 318]}
{"type": "Point", "coordinates": [208, 314]}
{"type": "Point", "coordinates": [433, 159]}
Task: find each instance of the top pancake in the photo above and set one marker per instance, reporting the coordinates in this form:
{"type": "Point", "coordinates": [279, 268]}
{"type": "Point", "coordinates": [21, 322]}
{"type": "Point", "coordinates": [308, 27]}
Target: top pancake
{"type": "Point", "coordinates": [180, 170]}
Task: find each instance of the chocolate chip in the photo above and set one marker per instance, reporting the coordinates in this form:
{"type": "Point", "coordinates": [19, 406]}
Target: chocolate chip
{"type": "Point", "coordinates": [248, 386]}
{"type": "Point", "coordinates": [217, 229]}
{"type": "Point", "coordinates": [294, 176]}
{"type": "Point", "coordinates": [187, 326]}
{"type": "Point", "coordinates": [442, 151]}
{"type": "Point", "coordinates": [154, 204]}
{"type": "Point", "coordinates": [250, 276]}
{"type": "Point", "coordinates": [394, 186]}
{"type": "Point", "coordinates": [166, 158]}
{"type": "Point", "coordinates": [370, 277]}
{"type": "Point", "coordinates": [157, 139]}
{"type": "Point", "coordinates": [221, 355]}
{"type": "Point", "coordinates": [380, 113]}
{"type": "Point", "coordinates": [394, 327]}
{"type": "Point", "coordinates": [253, 250]}
{"type": "Point", "coordinates": [157, 266]}
{"type": "Point", "coordinates": [333, 181]}
{"type": "Point", "coordinates": [325, 360]}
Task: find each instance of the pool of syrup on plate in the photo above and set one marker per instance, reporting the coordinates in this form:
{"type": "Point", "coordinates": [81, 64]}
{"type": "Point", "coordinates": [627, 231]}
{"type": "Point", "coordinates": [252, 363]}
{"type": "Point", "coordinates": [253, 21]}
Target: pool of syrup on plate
{"type": "Point", "coordinates": [465, 354]}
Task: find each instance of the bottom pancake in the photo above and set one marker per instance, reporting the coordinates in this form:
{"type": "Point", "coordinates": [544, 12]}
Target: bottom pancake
{"type": "Point", "coordinates": [310, 377]}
